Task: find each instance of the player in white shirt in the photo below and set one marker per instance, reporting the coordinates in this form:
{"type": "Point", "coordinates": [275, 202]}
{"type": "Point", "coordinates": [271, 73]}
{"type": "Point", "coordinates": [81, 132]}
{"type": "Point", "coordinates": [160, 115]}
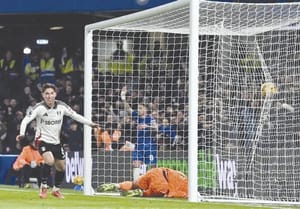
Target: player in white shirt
{"type": "Point", "coordinates": [49, 119]}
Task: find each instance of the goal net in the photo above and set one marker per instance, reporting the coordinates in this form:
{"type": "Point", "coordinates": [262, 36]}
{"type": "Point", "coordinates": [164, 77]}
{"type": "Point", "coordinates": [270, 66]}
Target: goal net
{"type": "Point", "coordinates": [246, 98]}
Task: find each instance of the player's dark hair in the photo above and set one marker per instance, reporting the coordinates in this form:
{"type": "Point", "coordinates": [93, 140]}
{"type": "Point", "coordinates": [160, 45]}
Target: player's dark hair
{"type": "Point", "coordinates": [47, 86]}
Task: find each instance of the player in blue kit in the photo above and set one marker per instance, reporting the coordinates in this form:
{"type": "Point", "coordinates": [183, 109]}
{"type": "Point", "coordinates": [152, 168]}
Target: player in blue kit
{"type": "Point", "coordinates": [146, 146]}
{"type": "Point", "coordinates": [145, 152]}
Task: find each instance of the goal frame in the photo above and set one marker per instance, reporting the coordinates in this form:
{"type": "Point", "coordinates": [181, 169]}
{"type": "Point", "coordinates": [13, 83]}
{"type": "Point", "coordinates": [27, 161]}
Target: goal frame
{"type": "Point", "coordinates": [193, 89]}
{"type": "Point", "coordinates": [192, 102]}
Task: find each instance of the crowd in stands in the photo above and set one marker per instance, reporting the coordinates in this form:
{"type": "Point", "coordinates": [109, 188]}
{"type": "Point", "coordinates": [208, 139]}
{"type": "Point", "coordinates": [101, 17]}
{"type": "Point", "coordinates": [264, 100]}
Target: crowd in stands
{"type": "Point", "coordinates": [156, 78]}
{"type": "Point", "coordinates": [152, 77]}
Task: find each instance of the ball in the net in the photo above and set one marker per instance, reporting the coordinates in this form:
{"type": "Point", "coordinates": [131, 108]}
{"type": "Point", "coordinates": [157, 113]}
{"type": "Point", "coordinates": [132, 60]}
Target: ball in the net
{"type": "Point", "coordinates": [268, 88]}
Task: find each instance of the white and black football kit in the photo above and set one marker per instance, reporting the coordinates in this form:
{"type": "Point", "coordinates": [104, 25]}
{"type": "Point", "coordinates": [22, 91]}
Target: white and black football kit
{"type": "Point", "coordinates": [49, 123]}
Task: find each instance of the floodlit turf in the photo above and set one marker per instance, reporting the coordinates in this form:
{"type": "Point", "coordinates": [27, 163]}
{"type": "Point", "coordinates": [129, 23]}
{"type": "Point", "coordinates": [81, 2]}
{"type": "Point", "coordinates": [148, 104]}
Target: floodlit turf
{"type": "Point", "coordinates": [12, 197]}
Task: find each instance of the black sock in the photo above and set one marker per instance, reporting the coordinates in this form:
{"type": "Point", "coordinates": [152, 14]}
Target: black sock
{"type": "Point", "coordinates": [26, 171]}
{"type": "Point", "coordinates": [59, 176]}
{"type": "Point", "coordinates": [45, 173]}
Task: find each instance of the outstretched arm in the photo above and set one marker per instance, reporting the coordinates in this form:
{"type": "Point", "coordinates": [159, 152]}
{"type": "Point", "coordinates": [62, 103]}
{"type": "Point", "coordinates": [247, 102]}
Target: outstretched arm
{"type": "Point", "coordinates": [79, 118]}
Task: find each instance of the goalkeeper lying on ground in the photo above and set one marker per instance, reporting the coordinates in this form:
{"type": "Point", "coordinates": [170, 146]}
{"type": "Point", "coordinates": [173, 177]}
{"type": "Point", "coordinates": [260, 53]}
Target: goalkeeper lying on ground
{"type": "Point", "coordinates": [157, 182]}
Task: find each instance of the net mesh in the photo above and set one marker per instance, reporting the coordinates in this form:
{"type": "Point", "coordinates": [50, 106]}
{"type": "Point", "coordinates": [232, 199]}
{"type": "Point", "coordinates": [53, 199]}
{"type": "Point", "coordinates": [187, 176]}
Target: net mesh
{"type": "Point", "coordinates": [248, 142]}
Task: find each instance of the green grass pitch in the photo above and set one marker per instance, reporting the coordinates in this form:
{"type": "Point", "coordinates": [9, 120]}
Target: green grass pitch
{"type": "Point", "coordinates": [12, 197]}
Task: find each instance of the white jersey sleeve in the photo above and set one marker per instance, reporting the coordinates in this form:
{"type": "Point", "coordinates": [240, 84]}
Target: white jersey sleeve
{"type": "Point", "coordinates": [71, 113]}
{"type": "Point", "coordinates": [30, 115]}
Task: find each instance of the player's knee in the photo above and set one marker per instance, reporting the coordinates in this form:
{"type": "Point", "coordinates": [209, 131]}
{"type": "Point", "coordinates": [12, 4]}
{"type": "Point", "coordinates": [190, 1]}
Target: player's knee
{"type": "Point", "coordinates": [49, 162]}
{"type": "Point", "coordinates": [60, 166]}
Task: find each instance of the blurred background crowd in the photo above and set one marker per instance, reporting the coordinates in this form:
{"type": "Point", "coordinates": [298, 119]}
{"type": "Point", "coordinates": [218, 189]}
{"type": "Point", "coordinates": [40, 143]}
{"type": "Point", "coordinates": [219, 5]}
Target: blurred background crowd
{"type": "Point", "coordinates": [161, 88]}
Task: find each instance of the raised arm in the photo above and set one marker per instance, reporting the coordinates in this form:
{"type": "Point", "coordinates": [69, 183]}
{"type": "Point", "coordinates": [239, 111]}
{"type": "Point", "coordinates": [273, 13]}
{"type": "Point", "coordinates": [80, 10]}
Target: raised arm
{"type": "Point", "coordinates": [123, 98]}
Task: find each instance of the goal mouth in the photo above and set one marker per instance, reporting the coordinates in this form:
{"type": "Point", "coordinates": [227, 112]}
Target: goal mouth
{"type": "Point", "coordinates": [192, 80]}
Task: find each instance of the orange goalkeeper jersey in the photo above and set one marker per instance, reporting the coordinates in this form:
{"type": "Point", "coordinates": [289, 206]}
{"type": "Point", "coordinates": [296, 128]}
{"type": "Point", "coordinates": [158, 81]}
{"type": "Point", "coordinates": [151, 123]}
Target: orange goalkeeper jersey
{"type": "Point", "coordinates": [27, 155]}
{"type": "Point", "coordinates": [164, 182]}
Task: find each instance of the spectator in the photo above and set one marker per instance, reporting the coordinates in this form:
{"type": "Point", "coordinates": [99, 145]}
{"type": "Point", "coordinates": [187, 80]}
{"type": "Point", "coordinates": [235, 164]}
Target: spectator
{"type": "Point", "coordinates": [78, 72]}
{"type": "Point", "coordinates": [67, 95]}
{"type": "Point", "coordinates": [13, 124]}
{"type": "Point", "coordinates": [33, 68]}
{"type": "Point", "coordinates": [5, 107]}
{"type": "Point", "coordinates": [109, 136]}
{"type": "Point", "coordinates": [166, 135]}
{"type": "Point", "coordinates": [140, 61]}
{"type": "Point", "coordinates": [3, 132]}
{"type": "Point", "coordinates": [117, 112]}
{"type": "Point", "coordinates": [121, 62]}
{"type": "Point", "coordinates": [248, 122]}
{"type": "Point", "coordinates": [201, 130]}
{"type": "Point", "coordinates": [35, 88]}
{"type": "Point", "coordinates": [70, 62]}
{"type": "Point", "coordinates": [102, 136]}
{"type": "Point", "coordinates": [119, 53]}
{"type": "Point", "coordinates": [78, 100]}
{"type": "Point", "coordinates": [181, 124]}
{"type": "Point", "coordinates": [156, 68]}
{"type": "Point", "coordinates": [10, 74]}
{"type": "Point", "coordinates": [26, 97]}
{"type": "Point", "coordinates": [48, 67]}
{"type": "Point", "coordinates": [129, 128]}
{"type": "Point", "coordinates": [74, 136]}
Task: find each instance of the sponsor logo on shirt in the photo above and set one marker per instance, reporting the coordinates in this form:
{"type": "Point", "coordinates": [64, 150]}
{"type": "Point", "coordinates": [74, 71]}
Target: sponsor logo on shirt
{"type": "Point", "coordinates": [50, 122]}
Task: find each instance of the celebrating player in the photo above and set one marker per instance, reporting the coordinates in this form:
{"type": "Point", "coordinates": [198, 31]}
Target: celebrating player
{"type": "Point", "coordinates": [157, 182]}
{"type": "Point", "coordinates": [49, 119]}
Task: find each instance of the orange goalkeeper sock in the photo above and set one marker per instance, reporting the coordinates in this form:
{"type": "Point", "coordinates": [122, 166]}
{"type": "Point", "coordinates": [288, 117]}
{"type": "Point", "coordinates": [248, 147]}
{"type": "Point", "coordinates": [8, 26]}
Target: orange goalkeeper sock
{"type": "Point", "coordinates": [126, 185]}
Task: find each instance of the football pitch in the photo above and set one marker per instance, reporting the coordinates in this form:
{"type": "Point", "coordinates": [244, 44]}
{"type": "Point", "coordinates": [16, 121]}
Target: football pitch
{"type": "Point", "coordinates": [16, 198]}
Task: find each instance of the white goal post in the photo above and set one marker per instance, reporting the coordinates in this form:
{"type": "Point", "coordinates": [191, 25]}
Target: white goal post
{"type": "Point", "coordinates": [222, 83]}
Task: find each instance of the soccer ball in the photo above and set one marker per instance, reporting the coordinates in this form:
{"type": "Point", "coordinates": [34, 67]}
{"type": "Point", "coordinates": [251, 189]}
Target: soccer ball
{"type": "Point", "coordinates": [78, 180]}
{"type": "Point", "coordinates": [268, 88]}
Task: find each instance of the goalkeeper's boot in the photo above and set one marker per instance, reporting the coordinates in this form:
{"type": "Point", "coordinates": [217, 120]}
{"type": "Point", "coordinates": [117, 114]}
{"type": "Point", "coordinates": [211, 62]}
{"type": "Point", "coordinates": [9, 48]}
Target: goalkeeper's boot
{"type": "Point", "coordinates": [132, 193]}
{"type": "Point", "coordinates": [43, 191]}
{"type": "Point", "coordinates": [107, 188]}
{"type": "Point", "coordinates": [56, 193]}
